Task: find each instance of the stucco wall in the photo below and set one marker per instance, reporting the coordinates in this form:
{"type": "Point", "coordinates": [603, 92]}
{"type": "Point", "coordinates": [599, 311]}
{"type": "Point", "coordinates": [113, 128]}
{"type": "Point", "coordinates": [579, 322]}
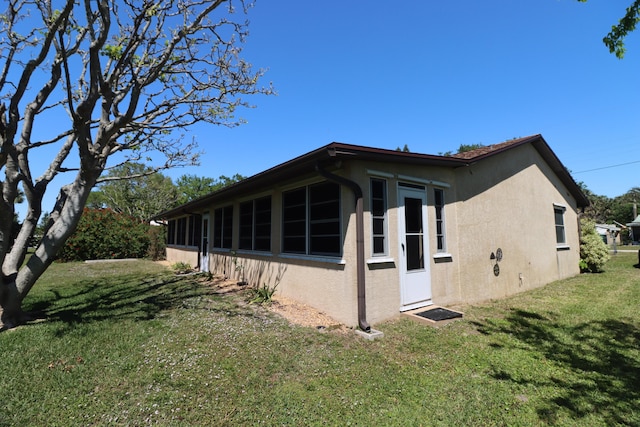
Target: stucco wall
{"type": "Point", "coordinates": [187, 255]}
{"type": "Point", "coordinates": [506, 201]}
{"type": "Point", "coordinates": [383, 278]}
{"type": "Point", "coordinates": [326, 283]}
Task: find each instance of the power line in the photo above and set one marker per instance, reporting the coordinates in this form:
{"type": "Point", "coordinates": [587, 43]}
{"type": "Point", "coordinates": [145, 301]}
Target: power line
{"type": "Point", "coordinates": [608, 167]}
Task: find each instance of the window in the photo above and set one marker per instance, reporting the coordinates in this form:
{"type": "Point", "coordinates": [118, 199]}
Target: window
{"type": "Point", "coordinates": [255, 225]}
{"type": "Point", "coordinates": [195, 230]}
{"type": "Point", "coordinates": [294, 221]}
{"type": "Point", "coordinates": [311, 220]}
{"type": "Point", "coordinates": [324, 219]}
{"type": "Point", "coordinates": [559, 219]}
{"type": "Point", "coordinates": [181, 238]}
{"type": "Point", "coordinates": [441, 242]}
{"type": "Point", "coordinates": [184, 231]}
{"type": "Point", "coordinates": [223, 227]}
{"type": "Point", "coordinates": [171, 232]}
{"type": "Point", "coordinates": [379, 216]}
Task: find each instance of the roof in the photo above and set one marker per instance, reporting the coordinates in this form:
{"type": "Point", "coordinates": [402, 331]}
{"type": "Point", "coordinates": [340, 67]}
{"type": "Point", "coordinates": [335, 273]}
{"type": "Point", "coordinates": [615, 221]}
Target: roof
{"type": "Point", "coordinates": [538, 142]}
{"type": "Point", "coordinates": [635, 222]}
{"type": "Point", "coordinates": [488, 150]}
{"type": "Point", "coordinates": [608, 227]}
{"type": "Point", "coordinates": [306, 164]}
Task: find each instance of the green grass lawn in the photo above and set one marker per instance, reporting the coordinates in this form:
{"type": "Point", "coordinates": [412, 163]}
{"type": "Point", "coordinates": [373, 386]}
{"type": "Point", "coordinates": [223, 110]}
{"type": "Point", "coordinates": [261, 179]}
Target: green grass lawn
{"type": "Point", "coordinates": [129, 343]}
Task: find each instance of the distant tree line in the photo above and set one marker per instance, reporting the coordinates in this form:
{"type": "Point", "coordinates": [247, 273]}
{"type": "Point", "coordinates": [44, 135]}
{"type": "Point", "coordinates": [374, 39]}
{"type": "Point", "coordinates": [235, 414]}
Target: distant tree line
{"type": "Point", "coordinates": [605, 210]}
{"type": "Point", "coordinates": [115, 223]}
{"type": "Point", "coordinates": [145, 193]}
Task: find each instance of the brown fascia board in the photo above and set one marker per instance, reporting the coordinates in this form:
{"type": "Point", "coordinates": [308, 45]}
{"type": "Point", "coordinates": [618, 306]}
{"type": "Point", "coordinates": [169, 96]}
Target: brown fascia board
{"type": "Point", "coordinates": [295, 167]}
{"type": "Point", "coordinates": [338, 149]}
{"type": "Point", "coordinates": [561, 171]}
{"type": "Point", "coordinates": [305, 164]}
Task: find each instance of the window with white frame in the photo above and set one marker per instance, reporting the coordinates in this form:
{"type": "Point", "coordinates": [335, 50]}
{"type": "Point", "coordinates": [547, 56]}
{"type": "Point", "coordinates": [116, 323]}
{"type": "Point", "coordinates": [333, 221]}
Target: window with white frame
{"type": "Point", "coordinates": [441, 241]}
{"type": "Point", "coordinates": [311, 220]}
{"type": "Point", "coordinates": [559, 220]}
{"type": "Point", "coordinates": [379, 216]}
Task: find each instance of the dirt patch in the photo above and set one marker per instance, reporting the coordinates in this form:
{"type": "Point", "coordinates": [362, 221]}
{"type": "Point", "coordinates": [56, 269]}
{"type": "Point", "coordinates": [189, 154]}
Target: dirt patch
{"type": "Point", "coordinates": [293, 311]}
{"type": "Point", "coordinates": [304, 315]}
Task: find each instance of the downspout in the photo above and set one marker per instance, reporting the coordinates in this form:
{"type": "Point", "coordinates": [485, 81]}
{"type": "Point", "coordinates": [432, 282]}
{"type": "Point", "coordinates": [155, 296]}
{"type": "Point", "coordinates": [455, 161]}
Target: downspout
{"type": "Point", "coordinates": [357, 192]}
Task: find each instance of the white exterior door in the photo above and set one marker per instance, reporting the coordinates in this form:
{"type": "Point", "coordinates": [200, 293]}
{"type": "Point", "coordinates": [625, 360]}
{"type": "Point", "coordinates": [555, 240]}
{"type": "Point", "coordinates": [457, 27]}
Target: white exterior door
{"type": "Point", "coordinates": [204, 245]}
{"type": "Point", "coordinates": [415, 276]}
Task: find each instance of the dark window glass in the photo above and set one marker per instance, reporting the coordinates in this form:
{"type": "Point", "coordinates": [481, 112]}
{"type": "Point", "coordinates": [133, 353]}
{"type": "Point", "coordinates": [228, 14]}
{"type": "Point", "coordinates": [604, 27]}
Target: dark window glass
{"type": "Point", "coordinates": [195, 227]}
{"type": "Point", "coordinates": [262, 233]}
{"type": "Point", "coordinates": [440, 230]}
{"type": "Point", "coordinates": [294, 221]}
{"type": "Point", "coordinates": [246, 226]}
{"type": "Point", "coordinates": [227, 227]}
{"type": "Point", "coordinates": [217, 228]}
{"type": "Point", "coordinates": [415, 252]}
{"type": "Point", "coordinates": [413, 215]}
{"type": "Point", "coordinates": [171, 232]}
{"type": "Point", "coordinates": [181, 238]}
{"type": "Point", "coordinates": [324, 222]}
{"type": "Point", "coordinates": [559, 218]}
{"type": "Point", "coordinates": [223, 227]}
{"type": "Point", "coordinates": [414, 235]}
{"type": "Point", "coordinates": [255, 225]}
{"type": "Point", "coordinates": [205, 236]}
{"type": "Point", "coordinates": [378, 215]}
{"type": "Point", "coordinates": [312, 226]}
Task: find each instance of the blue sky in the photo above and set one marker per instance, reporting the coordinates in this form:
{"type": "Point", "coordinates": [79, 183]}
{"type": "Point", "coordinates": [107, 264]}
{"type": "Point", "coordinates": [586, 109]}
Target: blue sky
{"type": "Point", "coordinates": [434, 75]}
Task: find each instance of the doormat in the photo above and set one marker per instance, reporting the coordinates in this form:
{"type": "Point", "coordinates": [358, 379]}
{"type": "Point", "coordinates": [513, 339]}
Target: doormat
{"type": "Point", "coordinates": [437, 314]}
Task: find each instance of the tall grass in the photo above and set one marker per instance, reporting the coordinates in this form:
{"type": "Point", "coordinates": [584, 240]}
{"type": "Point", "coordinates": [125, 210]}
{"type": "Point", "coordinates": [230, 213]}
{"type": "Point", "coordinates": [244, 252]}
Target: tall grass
{"type": "Point", "coordinates": [132, 344]}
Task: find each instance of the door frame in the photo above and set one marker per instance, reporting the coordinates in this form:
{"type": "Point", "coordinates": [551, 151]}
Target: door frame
{"type": "Point", "coordinates": [415, 284]}
{"type": "Point", "coordinates": [204, 243]}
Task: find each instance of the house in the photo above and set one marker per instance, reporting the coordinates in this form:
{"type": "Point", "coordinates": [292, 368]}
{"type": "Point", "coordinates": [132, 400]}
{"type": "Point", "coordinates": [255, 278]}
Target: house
{"type": "Point", "coordinates": [634, 230]}
{"type": "Point", "coordinates": [609, 233]}
{"type": "Point", "coordinates": [364, 234]}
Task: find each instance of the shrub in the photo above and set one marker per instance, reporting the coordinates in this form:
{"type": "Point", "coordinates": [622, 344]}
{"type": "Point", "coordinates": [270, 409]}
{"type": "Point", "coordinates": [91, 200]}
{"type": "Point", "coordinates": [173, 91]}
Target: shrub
{"type": "Point", "coordinates": [157, 243]}
{"type": "Point", "coordinates": [594, 253]}
{"type": "Point", "coordinates": [106, 234]}
{"type": "Point", "coordinates": [181, 267]}
{"type": "Point", "coordinates": [262, 294]}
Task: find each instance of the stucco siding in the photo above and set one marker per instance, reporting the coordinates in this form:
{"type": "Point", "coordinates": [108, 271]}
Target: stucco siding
{"type": "Point", "coordinates": [502, 203]}
{"type": "Point", "coordinates": [187, 255]}
{"type": "Point", "coordinates": [507, 203]}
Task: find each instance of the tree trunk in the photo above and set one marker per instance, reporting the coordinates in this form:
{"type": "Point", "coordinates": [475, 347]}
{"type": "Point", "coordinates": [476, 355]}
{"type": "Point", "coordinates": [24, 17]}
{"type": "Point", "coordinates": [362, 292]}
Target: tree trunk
{"type": "Point", "coordinates": [11, 314]}
{"type": "Point", "coordinates": [18, 280]}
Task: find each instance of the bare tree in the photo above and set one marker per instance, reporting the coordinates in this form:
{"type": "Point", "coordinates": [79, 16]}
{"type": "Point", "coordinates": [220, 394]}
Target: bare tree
{"type": "Point", "coordinates": [98, 80]}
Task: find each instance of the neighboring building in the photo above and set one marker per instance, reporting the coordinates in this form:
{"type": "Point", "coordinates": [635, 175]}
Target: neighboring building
{"type": "Point", "coordinates": [364, 233]}
{"type": "Point", "coordinates": [609, 233]}
{"type": "Point", "coordinates": [634, 230]}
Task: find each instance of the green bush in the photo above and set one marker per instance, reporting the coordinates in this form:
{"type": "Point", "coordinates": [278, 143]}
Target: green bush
{"type": "Point", "coordinates": [594, 253]}
{"type": "Point", "coordinates": [106, 234]}
{"type": "Point", "coordinates": [157, 243]}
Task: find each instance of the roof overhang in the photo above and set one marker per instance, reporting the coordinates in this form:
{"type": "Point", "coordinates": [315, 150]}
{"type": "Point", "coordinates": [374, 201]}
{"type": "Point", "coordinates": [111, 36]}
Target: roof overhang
{"type": "Point", "coordinates": [306, 165]}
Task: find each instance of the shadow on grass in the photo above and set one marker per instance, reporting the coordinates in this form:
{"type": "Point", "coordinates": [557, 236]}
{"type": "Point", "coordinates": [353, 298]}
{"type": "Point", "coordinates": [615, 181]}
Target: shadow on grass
{"type": "Point", "coordinates": [600, 359]}
{"type": "Point", "coordinates": [129, 297]}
